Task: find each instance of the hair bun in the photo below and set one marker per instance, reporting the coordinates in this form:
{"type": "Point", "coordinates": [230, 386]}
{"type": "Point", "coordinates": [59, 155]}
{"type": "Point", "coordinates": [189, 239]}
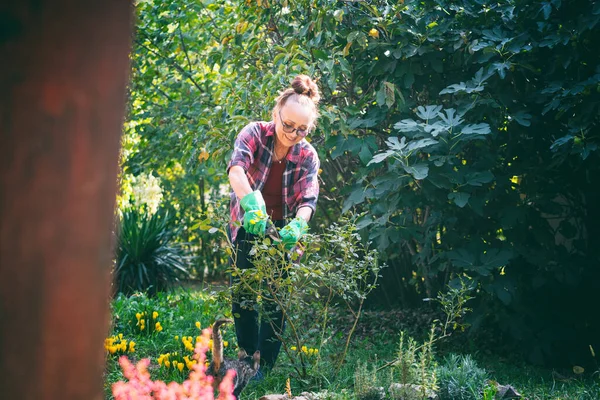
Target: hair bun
{"type": "Point", "coordinates": [302, 84]}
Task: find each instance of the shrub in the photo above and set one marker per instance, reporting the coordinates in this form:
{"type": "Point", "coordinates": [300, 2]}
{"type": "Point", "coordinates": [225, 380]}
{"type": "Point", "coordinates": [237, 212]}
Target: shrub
{"type": "Point", "coordinates": [460, 378]}
{"type": "Point", "coordinates": [337, 269]}
{"type": "Point", "coordinates": [148, 259]}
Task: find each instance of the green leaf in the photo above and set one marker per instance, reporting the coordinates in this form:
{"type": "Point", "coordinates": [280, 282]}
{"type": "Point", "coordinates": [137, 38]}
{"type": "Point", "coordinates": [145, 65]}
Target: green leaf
{"type": "Point", "coordinates": [381, 156]}
{"type": "Point", "coordinates": [479, 178]}
{"type": "Point", "coordinates": [460, 198]}
{"type": "Point", "coordinates": [407, 125]}
{"type": "Point", "coordinates": [357, 196]}
{"type": "Point", "coordinates": [365, 155]}
{"type": "Point", "coordinates": [496, 258]}
{"type": "Point", "coordinates": [390, 97]}
{"type": "Point", "coordinates": [522, 118]}
{"type": "Point", "coordinates": [461, 258]}
{"type": "Point", "coordinates": [476, 129]}
{"type": "Point", "coordinates": [419, 171]}
{"type": "Point", "coordinates": [428, 112]}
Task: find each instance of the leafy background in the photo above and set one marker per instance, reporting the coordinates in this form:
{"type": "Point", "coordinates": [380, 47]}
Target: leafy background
{"type": "Point", "coordinates": [465, 134]}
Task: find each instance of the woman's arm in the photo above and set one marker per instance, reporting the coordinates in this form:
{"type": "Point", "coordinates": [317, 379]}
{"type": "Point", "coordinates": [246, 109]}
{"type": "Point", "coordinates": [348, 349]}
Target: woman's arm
{"type": "Point", "coordinates": [305, 213]}
{"type": "Point", "coordinates": [239, 181]}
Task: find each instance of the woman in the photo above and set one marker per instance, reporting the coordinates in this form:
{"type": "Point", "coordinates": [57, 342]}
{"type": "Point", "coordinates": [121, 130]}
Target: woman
{"type": "Point", "coordinates": [273, 172]}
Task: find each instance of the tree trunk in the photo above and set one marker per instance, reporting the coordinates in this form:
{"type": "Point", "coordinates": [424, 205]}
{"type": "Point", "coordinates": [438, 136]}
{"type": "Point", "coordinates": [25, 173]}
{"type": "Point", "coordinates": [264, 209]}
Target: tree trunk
{"type": "Point", "coordinates": [63, 73]}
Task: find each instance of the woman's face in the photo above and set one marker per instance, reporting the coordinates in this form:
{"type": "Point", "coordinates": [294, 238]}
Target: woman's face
{"type": "Point", "coordinates": [292, 116]}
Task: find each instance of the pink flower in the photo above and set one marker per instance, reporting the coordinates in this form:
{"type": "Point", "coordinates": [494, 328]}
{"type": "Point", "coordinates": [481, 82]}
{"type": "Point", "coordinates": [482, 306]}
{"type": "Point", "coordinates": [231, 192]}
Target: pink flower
{"type": "Point", "coordinates": [140, 386]}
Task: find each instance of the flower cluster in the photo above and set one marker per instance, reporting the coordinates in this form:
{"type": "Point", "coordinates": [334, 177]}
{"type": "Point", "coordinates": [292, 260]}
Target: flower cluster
{"type": "Point", "coordinates": [175, 361]}
{"type": "Point", "coordinates": [306, 350]}
{"type": "Point", "coordinates": [197, 387]}
{"type": "Point", "coordinates": [117, 345]}
{"type": "Point", "coordinates": [146, 190]}
{"type": "Point", "coordinates": [152, 325]}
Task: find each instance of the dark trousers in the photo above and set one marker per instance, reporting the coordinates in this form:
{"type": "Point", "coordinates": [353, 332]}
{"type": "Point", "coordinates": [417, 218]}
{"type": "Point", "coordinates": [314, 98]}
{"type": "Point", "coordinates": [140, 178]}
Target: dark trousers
{"type": "Point", "coordinates": [254, 334]}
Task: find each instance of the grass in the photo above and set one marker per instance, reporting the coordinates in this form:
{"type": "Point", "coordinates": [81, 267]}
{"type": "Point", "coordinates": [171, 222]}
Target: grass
{"type": "Point", "coordinates": [375, 343]}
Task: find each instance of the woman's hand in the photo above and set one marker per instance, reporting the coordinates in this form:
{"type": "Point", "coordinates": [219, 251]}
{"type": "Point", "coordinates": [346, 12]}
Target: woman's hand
{"type": "Point", "coordinates": [255, 213]}
{"type": "Point", "coordinates": [293, 232]}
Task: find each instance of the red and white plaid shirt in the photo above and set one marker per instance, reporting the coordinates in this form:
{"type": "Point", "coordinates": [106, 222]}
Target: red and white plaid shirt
{"type": "Point", "coordinates": [253, 151]}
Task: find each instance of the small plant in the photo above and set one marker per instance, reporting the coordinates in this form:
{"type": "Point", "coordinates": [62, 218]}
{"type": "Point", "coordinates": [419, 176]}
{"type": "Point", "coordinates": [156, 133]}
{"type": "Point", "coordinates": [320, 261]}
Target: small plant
{"type": "Point", "coordinates": [366, 383]}
{"type": "Point", "coordinates": [415, 367]}
{"type": "Point", "coordinates": [148, 259]}
{"type": "Point", "coordinates": [461, 379]}
{"type": "Point", "coordinates": [489, 392]}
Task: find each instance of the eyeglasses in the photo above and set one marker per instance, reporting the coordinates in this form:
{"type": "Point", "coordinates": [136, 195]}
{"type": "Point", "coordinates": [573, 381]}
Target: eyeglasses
{"type": "Point", "coordinates": [290, 129]}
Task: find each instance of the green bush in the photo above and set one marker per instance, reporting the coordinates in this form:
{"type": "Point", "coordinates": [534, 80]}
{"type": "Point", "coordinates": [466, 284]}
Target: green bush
{"type": "Point", "coordinates": [336, 272]}
{"type": "Point", "coordinates": [460, 378]}
{"type": "Point", "coordinates": [148, 260]}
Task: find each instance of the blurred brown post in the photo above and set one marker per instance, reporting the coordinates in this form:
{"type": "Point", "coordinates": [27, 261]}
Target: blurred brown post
{"type": "Point", "coordinates": [64, 67]}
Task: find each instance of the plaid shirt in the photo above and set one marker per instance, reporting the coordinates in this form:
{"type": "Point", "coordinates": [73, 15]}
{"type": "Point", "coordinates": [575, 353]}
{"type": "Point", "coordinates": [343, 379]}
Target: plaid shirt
{"type": "Point", "coordinates": [253, 151]}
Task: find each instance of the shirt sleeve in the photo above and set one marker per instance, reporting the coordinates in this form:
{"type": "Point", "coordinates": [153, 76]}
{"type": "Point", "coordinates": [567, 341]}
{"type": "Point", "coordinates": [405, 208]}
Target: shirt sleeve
{"type": "Point", "coordinates": [245, 147]}
{"type": "Point", "coordinates": [309, 183]}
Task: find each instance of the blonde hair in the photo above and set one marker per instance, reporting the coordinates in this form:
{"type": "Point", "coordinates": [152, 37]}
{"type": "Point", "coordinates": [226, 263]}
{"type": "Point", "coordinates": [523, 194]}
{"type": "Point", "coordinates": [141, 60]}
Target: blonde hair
{"type": "Point", "coordinates": [303, 91]}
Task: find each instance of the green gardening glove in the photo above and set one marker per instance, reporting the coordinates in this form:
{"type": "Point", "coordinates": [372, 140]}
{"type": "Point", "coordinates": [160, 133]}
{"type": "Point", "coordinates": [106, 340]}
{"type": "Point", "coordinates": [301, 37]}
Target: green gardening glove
{"type": "Point", "coordinates": [292, 232]}
{"type": "Point", "coordinates": [255, 216]}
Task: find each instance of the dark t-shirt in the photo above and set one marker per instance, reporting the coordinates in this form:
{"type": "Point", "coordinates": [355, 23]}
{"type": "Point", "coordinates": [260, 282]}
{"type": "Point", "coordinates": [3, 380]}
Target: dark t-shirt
{"type": "Point", "coordinates": [273, 191]}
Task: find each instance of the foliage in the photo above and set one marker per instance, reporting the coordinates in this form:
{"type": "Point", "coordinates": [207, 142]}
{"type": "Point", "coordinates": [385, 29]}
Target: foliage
{"type": "Point", "coordinates": [180, 310]}
{"type": "Point", "coordinates": [147, 257]}
{"type": "Point", "coordinates": [506, 195]}
{"type": "Point", "coordinates": [460, 378]}
{"type": "Point", "coordinates": [336, 271]}
{"type": "Point", "coordinates": [488, 179]}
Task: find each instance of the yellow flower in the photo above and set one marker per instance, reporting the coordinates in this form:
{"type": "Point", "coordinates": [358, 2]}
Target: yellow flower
{"type": "Point", "coordinates": [168, 363]}
{"type": "Point", "coordinates": [154, 315]}
{"type": "Point", "coordinates": [121, 336]}
{"type": "Point", "coordinates": [131, 346]}
{"type": "Point", "coordinates": [304, 349]}
{"type": "Point", "coordinates": [198, 324]}
{"type": "Point", "coordinates": [142, 327]}
{"type": "Point", "coordinates": [198, 339]}
{"type": "Point", "coordinates": [225, 343]}
{"type": "Point", "coordinates": [311, 351]}
{"type": "Point", "coordinates": [160, 359]}
{"type": "Point", "coordinates": [374, 33]}
{"type": "Point", "coordinates": [180, 367]}
{"type": "Point", "coordinates": [252, 222]}
{"type": "Point", "coordinates": [293, 348]}
{"type": "Point", "coordinates": [316, 351]}
{"type": "Point", "coordinates": [159, 329]}
{"type": "Point", "coordinates": [210, 344]}
{"type": "Point", "coordinates": [138, 316]}
{"type": "Point", "coordinates": [177, 338]}
{"type": "Point", "coordinates": [157, 325]}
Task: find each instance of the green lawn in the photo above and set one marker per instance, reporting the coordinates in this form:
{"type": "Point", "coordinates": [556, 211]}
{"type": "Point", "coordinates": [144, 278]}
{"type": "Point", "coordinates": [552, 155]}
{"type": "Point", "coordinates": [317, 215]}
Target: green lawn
{"type": "Point", "coordinates": [375, 342]}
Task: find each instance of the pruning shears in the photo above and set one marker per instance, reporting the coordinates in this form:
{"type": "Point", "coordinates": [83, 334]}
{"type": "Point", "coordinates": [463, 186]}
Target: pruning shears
{"type": "Point", "coordinates": [273, 233]}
